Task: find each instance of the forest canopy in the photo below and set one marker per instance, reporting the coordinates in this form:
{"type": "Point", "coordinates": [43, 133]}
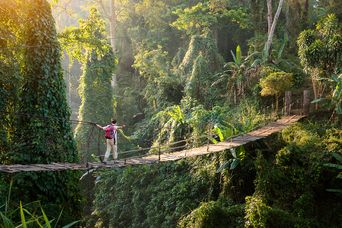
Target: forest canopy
{"type": "Point", "coordinates": [175, 74]}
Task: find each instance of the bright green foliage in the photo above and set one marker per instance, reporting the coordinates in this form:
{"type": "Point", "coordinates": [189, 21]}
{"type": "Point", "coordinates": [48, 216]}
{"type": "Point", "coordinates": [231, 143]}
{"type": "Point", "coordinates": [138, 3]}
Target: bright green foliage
{"type": "Point", "coordinates": [256, 212]}
{"type": "Point", "coordinates": [43, 133]}
{"type": "Point", "coordinates": [195, 20]}
{"type": "Point", "coordinates": [198, 70]}
{"type": "Point", "coordinates": [9, 73]}
{"type": "Point", "coordinates": [9, 77]}
{"type": "Point", "coordinates": [275, 84]}
{"type": "Point", "coordinates": [333, 101]}
{"type": "Point", "coordinates": [162, 86]}
{"type": "Point", "coordinates": [236, 76]}
{"type": "Point", "coordinates": [259, 214]}
{"type": "Point", "coordinates": [198, 85]}
{"type": "Point", "coordinates": [97, 104]}
{"type": "Point", "coordinates": [214, 214]}
{"type": "Point", "coordinates": [201, 44]}
{"type": "Point", "coordinates": [206, 16]}
{"type": "Point", "coordinates": [290, 187]}
{"type": "Point", "coordinates": [88, 37]}
{"type": "Point", "coordinates": [192, 121]}
{"type": "Point", "coordinates": [321, 48]}
{"type": "Point", "coordinates": [31, 216]}
{"type": "Point", "coordinates": [152, 196]}
{"type": "Point", "coordinates": [173, 126]}
{"type": "Point", "coordinates": [290, 190]}
{"type": "Point", "coordinates": [324, 7]}
{"type": "Point", "coordinates": [320, 53]}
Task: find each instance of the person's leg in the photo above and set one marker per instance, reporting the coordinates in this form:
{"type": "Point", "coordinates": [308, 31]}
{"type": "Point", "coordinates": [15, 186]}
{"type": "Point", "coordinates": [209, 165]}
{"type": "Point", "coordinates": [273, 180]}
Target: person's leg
{"type": "Point", "coordinates": [115, 151]}
{"type": "Point", "coordinates": [109, 146]}
{"type": "Point", "coordinates": [113, 146]}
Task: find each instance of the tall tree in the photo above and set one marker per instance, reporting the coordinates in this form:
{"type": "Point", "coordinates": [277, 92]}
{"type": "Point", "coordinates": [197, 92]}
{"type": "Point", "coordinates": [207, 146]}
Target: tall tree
{"type": "Point", "coordinates": [112, 17]}
{"type": "Point", "coordinates": [43, 132]}
{"type": "Point", "coordinates": [271, 29]}
{"type": "Point", "coordinates": [9, 72]}
{"type": "Point", "coordinates": [320, 52]}
{"type": "Point", "coordinates": [89, 45]}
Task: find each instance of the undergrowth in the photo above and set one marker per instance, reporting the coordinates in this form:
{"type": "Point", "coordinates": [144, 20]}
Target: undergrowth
{"type": "Point", "coordinates": [280, 182]}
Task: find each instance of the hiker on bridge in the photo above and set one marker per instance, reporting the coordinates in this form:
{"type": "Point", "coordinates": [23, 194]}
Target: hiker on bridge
{"type": "Point", "coordinates": [111, 139]}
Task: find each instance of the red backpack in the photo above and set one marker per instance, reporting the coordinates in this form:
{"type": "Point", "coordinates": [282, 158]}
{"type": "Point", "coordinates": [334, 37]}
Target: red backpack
{"type": "Point", "coordinates": [109, 132]}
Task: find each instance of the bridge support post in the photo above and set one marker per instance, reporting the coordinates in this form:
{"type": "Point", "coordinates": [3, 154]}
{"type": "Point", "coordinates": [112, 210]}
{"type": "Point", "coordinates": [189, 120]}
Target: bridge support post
{"type": "Point", "coordinates": [288, 103]}
{"type": "Point", "coordinates": [208, 138]}
{"type": "Point", "coordinates": [159, 152]}
{"type": "Point", "coordinates": [306, 102]}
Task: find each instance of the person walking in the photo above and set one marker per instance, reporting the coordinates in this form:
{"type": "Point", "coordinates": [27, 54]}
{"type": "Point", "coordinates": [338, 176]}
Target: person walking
{"type": "Point", "coordinates": [111, 139]}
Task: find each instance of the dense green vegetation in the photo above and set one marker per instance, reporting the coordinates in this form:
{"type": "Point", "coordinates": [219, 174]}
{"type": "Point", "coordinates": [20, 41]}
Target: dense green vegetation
{"type": "Point", "coordinates": [88, 45]}
{"type": "Point", "coordinates": [171, 70]}
{"type": "Point", "coordinates": [281, 186]}
{"type": "Point", "coordinates": [41, 131]}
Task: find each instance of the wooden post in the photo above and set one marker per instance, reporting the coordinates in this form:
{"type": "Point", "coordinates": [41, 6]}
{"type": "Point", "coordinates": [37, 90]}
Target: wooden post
{"type": "Point", "coordinates": [306, 102]}
{"type": "Point", "coordinates": [288, 103]}
{"type": "Point", "coordinates": [208, 139]}
{"type": "Point", "coordinates": [159, 152]}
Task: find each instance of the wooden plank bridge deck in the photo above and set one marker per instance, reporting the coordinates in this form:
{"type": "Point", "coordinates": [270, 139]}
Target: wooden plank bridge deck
{"type": "Point", "coordinates": [150, 159]}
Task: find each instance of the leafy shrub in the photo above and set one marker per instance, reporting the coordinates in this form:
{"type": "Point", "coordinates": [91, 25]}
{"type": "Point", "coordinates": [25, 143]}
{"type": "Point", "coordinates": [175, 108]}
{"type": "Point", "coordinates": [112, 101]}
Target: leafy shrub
{"type": "Point", "coordinates": [275, 84]}
{"type": "Point", "coordinates": [152, 196]}
{"type": "Point", "coordinates": [257, 212]}
{"type": "Point", "coordinates": [291, 186]}
{"type": "Point", "coordinates": [212, 214]}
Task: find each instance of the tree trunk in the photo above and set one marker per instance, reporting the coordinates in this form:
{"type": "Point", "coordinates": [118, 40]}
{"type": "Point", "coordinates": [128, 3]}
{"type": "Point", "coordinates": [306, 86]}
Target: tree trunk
{"type": "Point", "coordinates": [269, 16]}
{"type": "Point", "coordinates": [306, 11]}
{"type": "Point", "coordinates": [112, 25]}
{"type": "Point", "coordinates": [288, 102]}
{"type": "Point", "coordinates": [271, 32]}
{"type": "Point", "coordinates": [112, 22]}
{"type": "Point", "coordinates": [306, 102]}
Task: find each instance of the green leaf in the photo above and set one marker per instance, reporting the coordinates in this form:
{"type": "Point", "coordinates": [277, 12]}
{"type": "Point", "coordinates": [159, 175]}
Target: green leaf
{"type": "Point", "coordinates": [234, 58]}
{"type": "Point", "coordinates": [22, 216]}
{"type": "Point", "coordinates": [234, 164]}
{"type": "Point", "coordinates": [335, 190]}
{"type": "Point", "coordinates": [59, 217]}
{"type": "Point", "coordinates": [238, 55]}
{"type": "Point", "coordinates": [233, 152]}
{"type": "Point", "coordinates": [219, 133]}
{"type": "Point", "coordinates": [331, 165]}
{"type": "Point", "coordinates": [224, 166]}
{"type": "Point", "coordinates": [71, 224]}
{"type": "Point", "coordinates": [7, 223]}
{"type": "Point", "coordinates": [318, 100]}
{"type": "Point", "coordinates": [47, 222]}
{"type": "Point", "coordinates": [337, 156]}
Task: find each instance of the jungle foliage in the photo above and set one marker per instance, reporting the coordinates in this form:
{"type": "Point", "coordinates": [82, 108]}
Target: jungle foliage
{"type": "Point", "coordinates": [39, 129]}
{"type": "Point", "coordinates": [173, 70]}
{"type": "Point", "coordinates": [88, 45]}
{"type": "Point", "coordinates": [283, 186]}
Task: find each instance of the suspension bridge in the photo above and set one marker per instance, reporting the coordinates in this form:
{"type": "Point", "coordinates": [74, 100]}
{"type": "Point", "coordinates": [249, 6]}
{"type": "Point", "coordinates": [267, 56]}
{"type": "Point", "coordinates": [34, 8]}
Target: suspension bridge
{"type": "Point", "coordinates": [164, 155]}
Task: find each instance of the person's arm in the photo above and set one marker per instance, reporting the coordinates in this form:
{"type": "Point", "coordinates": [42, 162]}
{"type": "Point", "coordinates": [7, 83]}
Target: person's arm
{"type": "Point", "coordinates": [102, 128]}
{"type": "Point", "coordinates": [119, 127]}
